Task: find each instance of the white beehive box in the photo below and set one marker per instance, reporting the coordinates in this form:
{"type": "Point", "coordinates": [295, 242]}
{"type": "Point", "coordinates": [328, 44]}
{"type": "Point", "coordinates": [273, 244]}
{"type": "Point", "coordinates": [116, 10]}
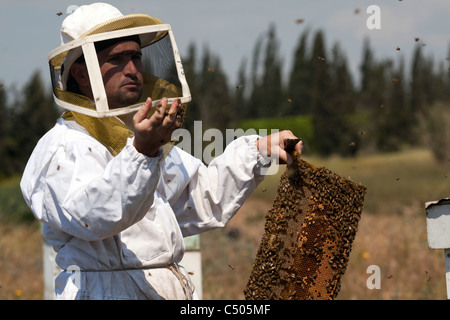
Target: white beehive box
{"type": "Point", "coordinates": [438, 231]}
{"type": "Point", "coordinates": [438, 224]}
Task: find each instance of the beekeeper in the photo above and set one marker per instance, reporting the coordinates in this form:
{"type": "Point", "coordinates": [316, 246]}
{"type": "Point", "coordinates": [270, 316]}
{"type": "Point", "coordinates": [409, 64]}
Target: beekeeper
{"type": "Point", "coordinates": [115, 203]}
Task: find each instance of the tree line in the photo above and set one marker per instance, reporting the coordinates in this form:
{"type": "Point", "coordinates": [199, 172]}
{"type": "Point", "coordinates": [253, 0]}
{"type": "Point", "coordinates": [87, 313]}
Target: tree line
{"type": "Point", "coordinates": [386, 110]}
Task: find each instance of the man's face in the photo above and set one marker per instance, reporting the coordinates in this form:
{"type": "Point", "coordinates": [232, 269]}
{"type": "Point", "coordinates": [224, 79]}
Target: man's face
{"type": "Point", "coordinates": [122, 72]}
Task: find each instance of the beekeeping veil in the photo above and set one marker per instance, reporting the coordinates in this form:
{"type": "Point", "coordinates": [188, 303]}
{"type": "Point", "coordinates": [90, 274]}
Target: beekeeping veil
{"type": "Point", "coordinates": [83, 33]}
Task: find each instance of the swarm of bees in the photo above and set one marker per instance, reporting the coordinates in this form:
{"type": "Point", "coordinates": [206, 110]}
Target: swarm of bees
{"type": "Point", "coordinates": [308, 235]}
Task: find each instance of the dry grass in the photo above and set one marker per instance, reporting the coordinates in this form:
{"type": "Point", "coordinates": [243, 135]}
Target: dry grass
{"type": "Point", "coordinates": [391, 234]}
{"type": "Point", "coordinates": [398, 245]}
{"type": "Point", "coordinates": [20, 262]}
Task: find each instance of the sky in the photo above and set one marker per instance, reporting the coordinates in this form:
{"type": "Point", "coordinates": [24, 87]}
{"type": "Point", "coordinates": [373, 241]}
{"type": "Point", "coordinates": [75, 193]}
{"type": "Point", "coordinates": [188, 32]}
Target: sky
{"type": "Point", "coordinates": [29, 30]}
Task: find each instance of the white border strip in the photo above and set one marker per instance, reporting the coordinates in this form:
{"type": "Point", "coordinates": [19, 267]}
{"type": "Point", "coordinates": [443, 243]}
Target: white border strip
{"type": "Point", "coordinates": [95, 77]}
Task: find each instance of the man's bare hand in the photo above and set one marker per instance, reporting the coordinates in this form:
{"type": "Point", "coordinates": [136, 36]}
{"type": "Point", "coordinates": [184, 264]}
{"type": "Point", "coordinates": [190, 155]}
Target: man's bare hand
{"type": "Point", "coordinates": [151, 133]}
{"type": "Point", "coordinates": [274, 146]}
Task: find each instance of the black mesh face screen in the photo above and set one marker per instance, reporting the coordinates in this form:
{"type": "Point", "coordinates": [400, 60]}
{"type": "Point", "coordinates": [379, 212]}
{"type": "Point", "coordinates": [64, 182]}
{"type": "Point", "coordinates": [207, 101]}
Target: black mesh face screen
{"type": "Point", "coordinates": [308, 235]}
{"type": "Point", "coordinates": [158, 60]}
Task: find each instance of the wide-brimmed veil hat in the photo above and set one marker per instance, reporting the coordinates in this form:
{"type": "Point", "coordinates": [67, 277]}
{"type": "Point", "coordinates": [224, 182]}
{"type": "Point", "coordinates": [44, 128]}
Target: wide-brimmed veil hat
{"type": "Point", "coordinates": [100, 18]}
{"type": "Point", "coordinates": [89, 26]}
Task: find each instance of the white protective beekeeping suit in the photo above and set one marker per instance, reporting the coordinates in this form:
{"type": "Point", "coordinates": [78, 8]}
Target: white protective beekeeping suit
{"type": "Point", "coordinates": [119, 216]}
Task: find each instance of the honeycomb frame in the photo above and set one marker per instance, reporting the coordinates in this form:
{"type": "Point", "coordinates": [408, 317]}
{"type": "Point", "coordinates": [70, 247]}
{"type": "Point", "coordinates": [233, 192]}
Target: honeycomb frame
{"type": "Point", "coordinates": [308, 236]}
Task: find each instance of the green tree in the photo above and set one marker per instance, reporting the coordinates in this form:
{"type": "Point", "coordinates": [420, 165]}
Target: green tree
{"type": "Point", "coordinates": [366, 66]}
{"type": "Point", "coordinates": [267, 92]}
{"type": "Point", "coordinates": [190, 66]}
{"type": "Point", "coordinates": [211, 102]}
{"type": "Point", "coordinates": [271, 82]}
{"type": "Point", "coordinates": [441, 83]}
{"type": "Point", "coordinates": [394, 125]}
{"type": "Point", "coordinates": [214, 101]}
{"type": "Point", "coordinates": [418, 98]}
{"type": "Point", "coordinates": [300, 84]}
{"type": "Point", "coordinates": [240, 103]}
{"type": "Point", "coordinates": [5, 159]}
{"type": "Point", "coordinates": [35, 114]}
{"type": "Point", "coordinates": [325, 134]}
{"type": "Point", "coordinates": [368, 81]}
{"type": "Point", "coordinates": [342, 104]}
{"type": "Point", "coordinates": [447, 75]}
{"type": "Point", "coordinates": [372, 95]}
{"type": "Point", "coordinates": [256, 95]}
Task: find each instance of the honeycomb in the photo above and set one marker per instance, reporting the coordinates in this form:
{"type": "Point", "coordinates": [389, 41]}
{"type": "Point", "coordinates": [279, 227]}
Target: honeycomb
{"type": "Point", "coordinates": [308, 235]}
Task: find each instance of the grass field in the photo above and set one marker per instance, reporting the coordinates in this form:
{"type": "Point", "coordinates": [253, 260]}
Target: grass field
{"type": "Point", "coordinates": [391, 234]}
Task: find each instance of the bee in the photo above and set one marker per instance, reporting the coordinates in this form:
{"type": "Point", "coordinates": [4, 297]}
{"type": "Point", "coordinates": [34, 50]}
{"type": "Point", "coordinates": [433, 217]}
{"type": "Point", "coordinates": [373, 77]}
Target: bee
{"type": "Point", "coordinates": [59, 14]}
{"type": "Point", "coordinates": [299, 21]}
